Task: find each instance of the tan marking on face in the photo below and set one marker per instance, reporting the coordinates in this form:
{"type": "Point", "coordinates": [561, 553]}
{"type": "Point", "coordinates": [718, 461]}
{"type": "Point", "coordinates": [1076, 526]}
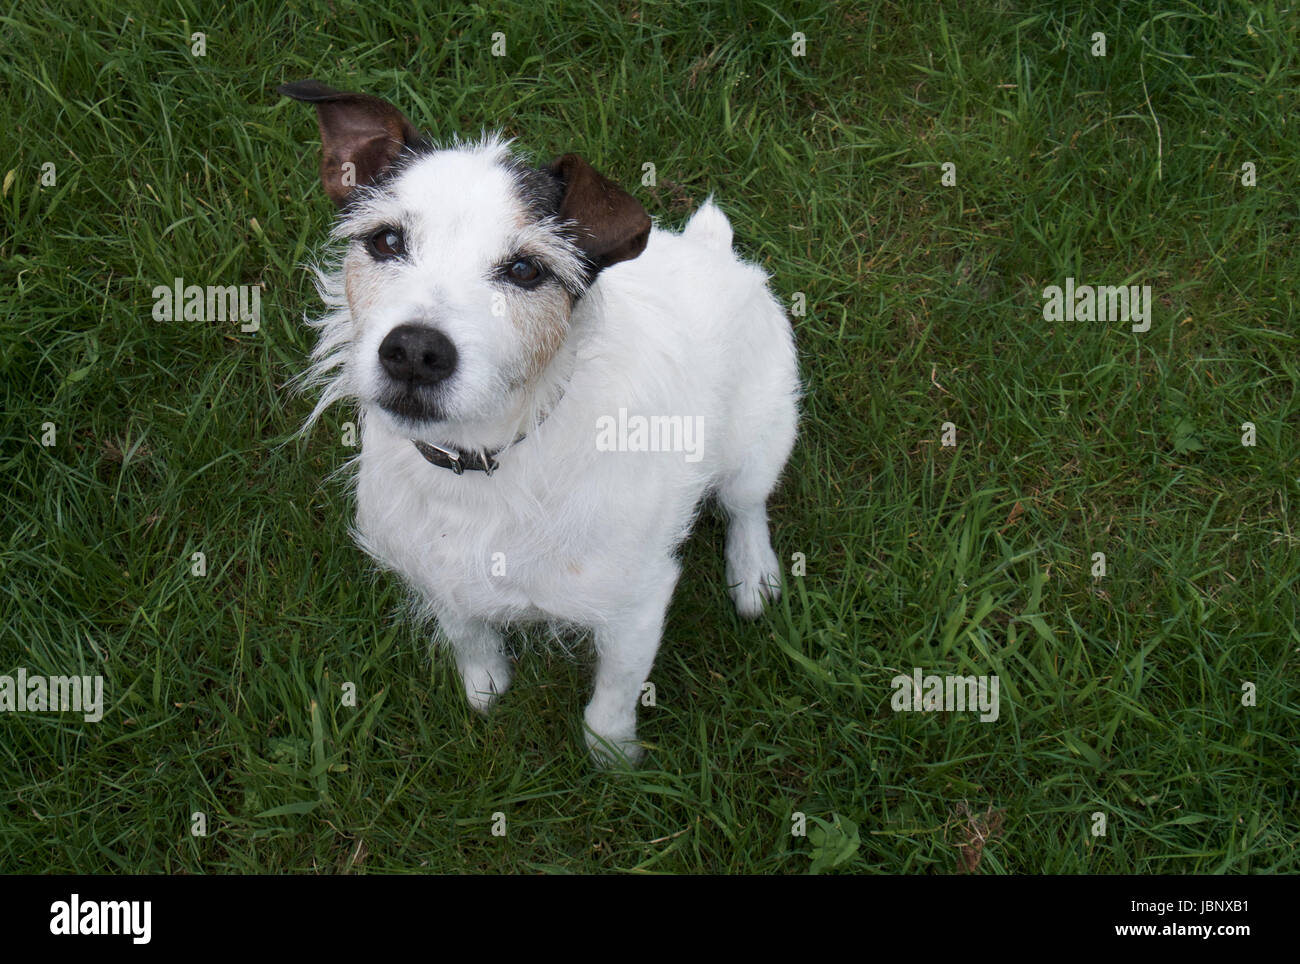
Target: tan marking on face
{"type": "Point", "coordinates": [351, 281]}
{"type": "Point", "coordinates": [360, 284]}
{"type": "Point", "coordinates": [541, 317]}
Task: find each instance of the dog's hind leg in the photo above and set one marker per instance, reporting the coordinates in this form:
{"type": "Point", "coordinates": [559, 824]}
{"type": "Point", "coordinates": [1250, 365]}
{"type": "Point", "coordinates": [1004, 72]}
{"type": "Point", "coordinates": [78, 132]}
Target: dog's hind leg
{"type": "Point", "coordinates": [483, 666]}
{"type": "Point", "coordinates": [753, 571]}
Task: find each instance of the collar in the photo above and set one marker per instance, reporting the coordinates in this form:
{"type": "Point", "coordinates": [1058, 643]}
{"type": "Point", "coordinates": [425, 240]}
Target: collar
{"type": "Point", "coordinates": [458, 462]}
{"type": "Point", "coordinates": [473, 461]}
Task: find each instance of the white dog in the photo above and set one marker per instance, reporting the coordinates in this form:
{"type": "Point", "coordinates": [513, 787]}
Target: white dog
{"type": "Point", "coordinates": [548, 389]}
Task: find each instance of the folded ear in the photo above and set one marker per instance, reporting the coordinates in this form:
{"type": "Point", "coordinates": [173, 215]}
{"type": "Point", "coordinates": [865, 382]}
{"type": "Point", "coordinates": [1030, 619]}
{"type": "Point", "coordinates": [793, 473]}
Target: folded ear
{"type": "Point", "coordinates": [612, 226]}
{"type": "Point", "coordinates": [360, 135]}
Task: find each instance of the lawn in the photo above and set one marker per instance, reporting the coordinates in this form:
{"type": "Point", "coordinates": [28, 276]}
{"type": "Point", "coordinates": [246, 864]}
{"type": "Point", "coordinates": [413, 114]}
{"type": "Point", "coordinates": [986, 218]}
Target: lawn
{"type": "Point", "coordinates": [1149, 717]}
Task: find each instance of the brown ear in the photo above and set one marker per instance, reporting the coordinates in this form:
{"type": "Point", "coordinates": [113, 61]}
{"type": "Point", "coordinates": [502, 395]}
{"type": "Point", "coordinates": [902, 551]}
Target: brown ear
{"type": "Point", "coordinates": [355, 129]}
{"type": "Point", "coordinates": [612, 224]}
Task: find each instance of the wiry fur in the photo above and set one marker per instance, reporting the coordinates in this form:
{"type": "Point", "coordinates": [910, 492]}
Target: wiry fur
{"type": "Point", "coordinates": [587, 538]}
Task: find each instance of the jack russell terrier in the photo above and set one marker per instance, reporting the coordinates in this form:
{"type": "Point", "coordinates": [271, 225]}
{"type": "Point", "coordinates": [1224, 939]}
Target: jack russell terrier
{"type": "Point", "coordinates": [549, 387]}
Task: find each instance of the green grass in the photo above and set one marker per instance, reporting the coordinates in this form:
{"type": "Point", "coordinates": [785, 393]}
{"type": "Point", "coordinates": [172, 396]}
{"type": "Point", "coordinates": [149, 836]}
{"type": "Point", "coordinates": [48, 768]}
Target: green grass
{"type": "Point", "coordinates": [1120, 695]}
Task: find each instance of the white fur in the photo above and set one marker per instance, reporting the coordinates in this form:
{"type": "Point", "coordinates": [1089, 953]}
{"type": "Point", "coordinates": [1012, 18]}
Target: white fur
{"type": "Point", "coordinates": [587, 538]}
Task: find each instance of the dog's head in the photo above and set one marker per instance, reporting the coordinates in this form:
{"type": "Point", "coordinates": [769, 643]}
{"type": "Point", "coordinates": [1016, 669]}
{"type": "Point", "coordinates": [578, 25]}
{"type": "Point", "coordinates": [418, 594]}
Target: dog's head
{"type": "Point", "coordinates": [463, 265]}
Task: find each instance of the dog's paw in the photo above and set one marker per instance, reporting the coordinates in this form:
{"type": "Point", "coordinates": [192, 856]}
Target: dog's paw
{"type": "Point", "coordinates": [613, 746]}
{"type": "Point", "coordinates": [614, 754]}
{"type": "Point", "coordinates": [484, 683]}
{"type": "Point", "coordinates": [754, 580]}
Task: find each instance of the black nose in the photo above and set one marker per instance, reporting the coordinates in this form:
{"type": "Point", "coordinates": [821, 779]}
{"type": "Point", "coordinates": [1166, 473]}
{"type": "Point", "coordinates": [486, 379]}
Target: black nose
{"type": "Point", "coordinates": [417, 355]}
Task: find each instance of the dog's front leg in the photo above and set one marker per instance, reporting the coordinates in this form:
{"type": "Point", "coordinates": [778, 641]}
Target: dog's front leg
{"type": "Point", "coordinates": [625, 647]}
{"type": "Point", "coordinates": [484, 668]}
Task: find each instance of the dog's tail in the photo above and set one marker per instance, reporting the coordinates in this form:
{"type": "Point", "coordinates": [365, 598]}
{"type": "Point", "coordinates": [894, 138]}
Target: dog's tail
{"type": "Point", "coordinates": [709, 227]}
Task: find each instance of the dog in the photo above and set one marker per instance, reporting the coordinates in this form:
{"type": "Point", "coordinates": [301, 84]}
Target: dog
{"type": "Point", "coordinates": [549, 387]}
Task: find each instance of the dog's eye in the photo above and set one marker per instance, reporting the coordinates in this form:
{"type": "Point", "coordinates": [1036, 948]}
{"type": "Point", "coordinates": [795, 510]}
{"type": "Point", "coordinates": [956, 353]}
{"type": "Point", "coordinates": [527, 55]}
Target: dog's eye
{"type": "Point", "coordinates": [386, 243]}
{"type": "Point", "coordinates": [525, 273]}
